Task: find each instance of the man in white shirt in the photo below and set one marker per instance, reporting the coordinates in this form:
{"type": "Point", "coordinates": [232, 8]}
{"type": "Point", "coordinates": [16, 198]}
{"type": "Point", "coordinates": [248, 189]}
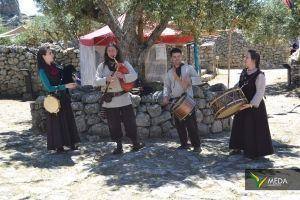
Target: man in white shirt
{"type": "Point", "coordinates": [179, 80]}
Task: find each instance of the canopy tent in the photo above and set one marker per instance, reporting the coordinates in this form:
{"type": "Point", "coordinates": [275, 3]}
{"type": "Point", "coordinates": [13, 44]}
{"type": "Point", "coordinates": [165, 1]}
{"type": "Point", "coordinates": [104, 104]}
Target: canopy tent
{"type": "Point", "coordinates": [92, 48]}
{"type": "Point", "coordinates": [104, 36]}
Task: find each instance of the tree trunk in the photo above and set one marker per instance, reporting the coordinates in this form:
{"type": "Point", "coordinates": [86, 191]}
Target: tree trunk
{"type": "Point", "coordinates": [135, 52]}
{"type": "Point", "coordinates": [133, 48]}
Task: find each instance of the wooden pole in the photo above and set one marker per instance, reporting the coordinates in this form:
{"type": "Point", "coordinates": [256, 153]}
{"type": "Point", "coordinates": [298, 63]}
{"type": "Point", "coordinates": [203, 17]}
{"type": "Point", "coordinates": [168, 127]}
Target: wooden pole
{"type": "Point", "coordinates": [232, 26]}
{"type": "Point", "coordinates": [229, 56]}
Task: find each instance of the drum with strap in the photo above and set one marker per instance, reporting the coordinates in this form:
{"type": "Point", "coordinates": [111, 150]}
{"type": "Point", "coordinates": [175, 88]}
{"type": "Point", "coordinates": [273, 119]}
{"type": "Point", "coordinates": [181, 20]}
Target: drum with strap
{"type": "Point", "coordinates": [228, 103]}
{"type": "Point", "coordinates": [183, 107]}
{"type": "Point", "coordinates": [51, 104]}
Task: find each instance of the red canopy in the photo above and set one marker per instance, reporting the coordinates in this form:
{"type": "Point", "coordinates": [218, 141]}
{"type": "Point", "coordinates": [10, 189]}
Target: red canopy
{"type": "Point", "coordinates": [104, 36]}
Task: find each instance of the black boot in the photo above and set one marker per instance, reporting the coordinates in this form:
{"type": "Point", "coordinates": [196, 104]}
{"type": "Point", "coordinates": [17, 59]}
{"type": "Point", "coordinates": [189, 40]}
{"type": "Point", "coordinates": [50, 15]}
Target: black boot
{"type": "Point", "coordinates": [137, 145]}
{"type": "Point", "coordinates": [73, 147]}
{"type": "Point", "coordinates": [60, 150]}
{"type": "Point", "coordinates": [235, 152]}
{"type": "Point", "coordinates": [119, 149]}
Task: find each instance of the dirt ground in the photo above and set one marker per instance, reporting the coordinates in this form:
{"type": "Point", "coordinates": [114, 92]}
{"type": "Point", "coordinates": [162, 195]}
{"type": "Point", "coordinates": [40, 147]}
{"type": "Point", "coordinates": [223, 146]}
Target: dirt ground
{"type": "Point", "coordinates": [159, 171]}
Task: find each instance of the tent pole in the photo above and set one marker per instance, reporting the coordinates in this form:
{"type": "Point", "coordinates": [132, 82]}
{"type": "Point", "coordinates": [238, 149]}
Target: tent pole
{"type": "Point", "coordinates": [229, 56]}
{"type": "Point", "coordinates": [196, 58]}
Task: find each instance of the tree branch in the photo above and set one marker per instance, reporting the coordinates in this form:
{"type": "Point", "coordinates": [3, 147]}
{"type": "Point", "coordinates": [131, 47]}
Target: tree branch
{"type": "Point", "coordinates": [157, 31]}
{"type": "Point", "coordinates": [132, 17]}
{"type": "Point", "coordinates": [112, 22]}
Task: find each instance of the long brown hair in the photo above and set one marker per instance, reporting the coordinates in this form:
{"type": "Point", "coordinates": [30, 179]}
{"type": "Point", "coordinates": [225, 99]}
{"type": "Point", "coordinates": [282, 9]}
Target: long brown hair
{"type": "Point", "coordinates": [107, 59]}
{"type": "Point", "coordinates": [40, 60]}
{"type": "Point", "coordinates": [255, 56]}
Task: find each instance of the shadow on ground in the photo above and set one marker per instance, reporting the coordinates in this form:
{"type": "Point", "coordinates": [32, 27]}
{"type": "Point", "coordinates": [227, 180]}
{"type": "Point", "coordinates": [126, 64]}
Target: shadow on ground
{"type": "Point", "coordinates": [158, 164]}
{"type": "Point", "coordinates": [282, 89]}
{"type": "Point", "coordinates": [30, 150]}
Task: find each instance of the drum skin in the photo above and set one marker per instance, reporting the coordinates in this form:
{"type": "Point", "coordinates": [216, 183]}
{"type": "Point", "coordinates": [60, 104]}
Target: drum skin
{"type": "Point", "coordinates": [228, 103]}
{"type": "Point", "coordinates": [51, 104]}
{"type": "Point", "coordinates": [183, 107]}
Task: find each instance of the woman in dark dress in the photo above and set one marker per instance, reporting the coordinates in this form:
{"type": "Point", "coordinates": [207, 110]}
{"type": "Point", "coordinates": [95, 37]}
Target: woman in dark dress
{"type": "Point", "coordinates": [61, 127]}
{"type": "Point", "coordinates": [250, 129]}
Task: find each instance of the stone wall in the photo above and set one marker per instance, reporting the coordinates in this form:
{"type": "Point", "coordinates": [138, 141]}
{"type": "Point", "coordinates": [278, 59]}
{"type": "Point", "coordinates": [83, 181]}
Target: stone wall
{"type": "Point", "coordinates": [151, 118]}
{"type": "Point", "coordinates": [212, 47]}
{"type": "Point", "coordinates": [295, 73]}
{"type": "Point", "coordinates": [13, 59]}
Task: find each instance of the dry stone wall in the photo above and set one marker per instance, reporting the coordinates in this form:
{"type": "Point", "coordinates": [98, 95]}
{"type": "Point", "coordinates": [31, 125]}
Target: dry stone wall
{"type": "Point", "coordinates": [15, 59]}
{"type": "Point", "coordinates": [152, 119]}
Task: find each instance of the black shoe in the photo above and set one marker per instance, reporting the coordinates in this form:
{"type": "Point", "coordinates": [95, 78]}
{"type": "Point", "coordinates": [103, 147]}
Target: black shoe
{"type": "Point", "coordinates": [183, 147]}
{"type": "Point", "coordinates": [235, 152]}
{"type": "Point", "coordinates": [60, 150]}
{"type": "Point", "coordinates": [197, 149]}
{"type": "Point", "coordinates": [74, 148]}
{"type": "Point", "coordinates": [138, 146]}
{"type": "Point", "coordinates": [252, 157]}
{"type": "Point", "coordinates": [117, 151]}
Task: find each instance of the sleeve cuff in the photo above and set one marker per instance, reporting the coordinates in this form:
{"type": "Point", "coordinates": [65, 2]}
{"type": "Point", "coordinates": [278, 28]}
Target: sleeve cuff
{"type": "Point", "coordinates": [196, 80]}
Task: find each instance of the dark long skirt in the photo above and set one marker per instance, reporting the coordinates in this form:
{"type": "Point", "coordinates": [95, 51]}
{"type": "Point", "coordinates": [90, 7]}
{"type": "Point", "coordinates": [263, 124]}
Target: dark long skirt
{"type": "Point", "coordinates": [251, 133]}
{"type": "Point", "coordinates": [61, 127]}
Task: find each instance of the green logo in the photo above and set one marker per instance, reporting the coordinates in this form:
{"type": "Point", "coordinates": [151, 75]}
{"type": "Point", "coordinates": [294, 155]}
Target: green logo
{"type": "Point", "coordinates": [259, 182]}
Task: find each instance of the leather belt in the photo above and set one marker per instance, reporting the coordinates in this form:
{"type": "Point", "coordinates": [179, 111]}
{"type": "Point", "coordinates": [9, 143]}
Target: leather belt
{"type": "Point", "coordinates": [115, 94]}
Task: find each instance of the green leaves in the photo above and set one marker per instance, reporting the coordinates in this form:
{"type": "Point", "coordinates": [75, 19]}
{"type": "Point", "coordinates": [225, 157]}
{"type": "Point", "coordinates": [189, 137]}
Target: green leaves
{"type": "Point", "coordinates": [276, 24]}
{"type": "Point", "coordinates": [262, 21]}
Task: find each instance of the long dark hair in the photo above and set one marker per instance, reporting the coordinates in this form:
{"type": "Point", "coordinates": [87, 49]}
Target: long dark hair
{"type": "Point", "coordinates": [107, 59]}
{"type": "Point", "coordinates": [40, 60]}
{"type": "Point", "coordinates": [255, 56]}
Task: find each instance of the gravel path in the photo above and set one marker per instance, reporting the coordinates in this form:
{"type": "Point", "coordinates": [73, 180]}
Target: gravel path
{"type": "Point", "coordinates": [159, 171]}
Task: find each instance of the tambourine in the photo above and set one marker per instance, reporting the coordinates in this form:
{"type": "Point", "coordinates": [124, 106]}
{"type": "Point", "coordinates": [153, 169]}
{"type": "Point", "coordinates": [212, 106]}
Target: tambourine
{"type": "Point", "coordinates": [51, 104]}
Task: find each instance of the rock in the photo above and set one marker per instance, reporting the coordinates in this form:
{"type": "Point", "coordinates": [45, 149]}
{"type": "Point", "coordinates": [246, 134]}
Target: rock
{"type": "Point", "coordinates": [91, 108]}
{"type": "Point", "coordinates": [76, 96]}
{"type": "Point", "coordinates": [147, 99]}
{"type": "Point", "coordinates": [154, 110]}
{"type": "Point", "coordinates": [210, 96]}
{"type": "Point", "coordinates": [93, 138]}
{"type": "Point", "coordinates": [198, 92]}
{"type": "Point", "coordinates": [136, 99]}
{"type": "Point", "coordinates": [208, 119]}
{"type": "Point", "coordinates": [155, 131]}
{"type": "Point", "coordinates": [203, 129]}
{"type": "Point", "coordinates": [143, 132]}
{"type": "Point", "coordinates": [199, 116]}
{"type": "Point", "coordinates": [80, 123]}
{"type": "Point", "coordinates": [207, 112]}
{"type": "Point", "coordinates": [218, 87]}
{"type": "Point", "coordinates": [161, 119]}
{"type": "Point", "coordinates": [166, 127]}
{"type": "Point", "coordinates": [142, 108]}
{"type": "Point", "coordinates": [226, 124]}
{"type": "Point", "coordinates": [217, 127]}
{"type": "Point", "coordinates": [40, 100]}
{"type": "Point", "coordinates": [100, 129]}
{"type": "Point", "coordinates": [142, 120]}
{"type": "Point", "coordinates": [76, 106]}
{"type": "Point", "coordinates": [80, 112]}
{"type": "Point", "coordinates": [32, 106]}
{"type": "Point", "coordinates": [92, 119]}
{"type": "Point", "coordinates": [93, 97]}
{"type": "Point", "coordinates": [173, 133]}
{"type": "Point", "coordinates": [158, 96]}
{"type": "Point", "coordinates": [201, 103]}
